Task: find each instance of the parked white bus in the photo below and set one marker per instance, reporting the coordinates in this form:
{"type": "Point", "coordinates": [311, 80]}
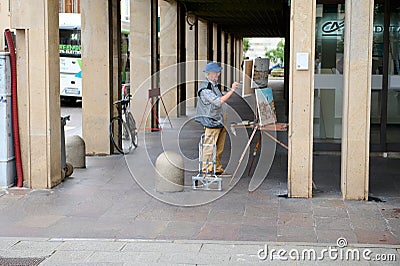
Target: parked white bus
{"type": "Point", "coordinates": [70, 55]}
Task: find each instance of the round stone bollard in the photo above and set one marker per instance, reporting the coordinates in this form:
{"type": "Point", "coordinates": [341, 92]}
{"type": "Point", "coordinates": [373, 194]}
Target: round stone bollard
{"type": "Point", "coordinates": [75, 151]}
{"type": "Point", "coordinates": [170, 177]}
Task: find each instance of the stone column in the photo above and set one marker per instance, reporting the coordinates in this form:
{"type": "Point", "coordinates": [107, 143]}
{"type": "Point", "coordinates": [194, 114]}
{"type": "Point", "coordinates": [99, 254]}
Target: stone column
{"type": "Point", "coordinates": [202, 53]}
{"type": "Point", "coordinates": [190, 66]}
{"type": "Point", "coordinates": [356, 98]}
{"type": "Point", "coordinates": [215, 45]}
{"type": "Point", "coordinates": [4, 21]}
{"type": "Point", "coordinates": [301, 99]}
{"type": "Point", "coordinates": [38, 73]}
{"type": "Point", "coordinates": [168, 56]}
{"type": "Point", "coordinates": [96, 76]}
{"type": "Point", "coordinates": [140, 59]}
{"type": "Point", "coordinates": [229, 55]}
{"type": "Point", "coordinates": [237, 60]}
{"type": "Point", "coordinates": [222, 48]}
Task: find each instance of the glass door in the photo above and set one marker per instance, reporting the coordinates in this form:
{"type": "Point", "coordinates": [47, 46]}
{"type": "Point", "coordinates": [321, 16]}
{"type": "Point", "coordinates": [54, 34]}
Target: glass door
{"type": "Point", "coordinates": [385, 89]}
{"type": "Point", "coordinates": [328, 77]}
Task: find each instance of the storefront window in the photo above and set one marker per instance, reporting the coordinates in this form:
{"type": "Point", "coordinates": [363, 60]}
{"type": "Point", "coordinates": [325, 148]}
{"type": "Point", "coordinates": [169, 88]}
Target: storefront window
{"type": "Point", "coordinates": [391, 128]}
{"type": "Point", "coordinates": [377, 73]}
{"type": "Point", "coordinates": [328, 83]}
{"type": "Point", "coordinates": [393, 116]}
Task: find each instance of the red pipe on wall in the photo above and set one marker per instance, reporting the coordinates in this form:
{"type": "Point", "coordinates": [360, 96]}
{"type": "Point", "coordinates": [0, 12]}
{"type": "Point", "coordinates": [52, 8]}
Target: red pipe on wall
{"type": "Point", "coordinates": [14, 107]}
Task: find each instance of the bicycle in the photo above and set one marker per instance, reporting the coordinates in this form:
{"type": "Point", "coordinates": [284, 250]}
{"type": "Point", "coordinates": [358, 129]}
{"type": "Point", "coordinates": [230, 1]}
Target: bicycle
{"type": "Point", "coordinates": [126, 139]}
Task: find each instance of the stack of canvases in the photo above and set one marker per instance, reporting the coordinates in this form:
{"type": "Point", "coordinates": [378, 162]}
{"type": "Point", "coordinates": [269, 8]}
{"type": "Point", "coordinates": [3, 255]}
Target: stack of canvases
{"type": "Point", "coordinates": [255, 81]}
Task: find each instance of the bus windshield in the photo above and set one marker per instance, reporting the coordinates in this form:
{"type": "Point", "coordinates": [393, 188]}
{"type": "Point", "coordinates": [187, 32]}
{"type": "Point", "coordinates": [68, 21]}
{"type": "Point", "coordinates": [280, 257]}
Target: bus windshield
{"type": "Point", "coordinates": [70, 42]}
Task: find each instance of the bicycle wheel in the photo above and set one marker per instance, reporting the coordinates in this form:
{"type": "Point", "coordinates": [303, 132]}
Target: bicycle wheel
{"type": "Point", "coordinates": [132, 127]}
{"type": "Point", "coordinates": [122, 139]}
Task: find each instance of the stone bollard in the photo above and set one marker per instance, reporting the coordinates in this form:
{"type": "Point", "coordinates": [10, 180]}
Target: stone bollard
{"type": "Point", "coordinates": [75, 151]}
{"type": "Point", "coordinates": [170, 177]}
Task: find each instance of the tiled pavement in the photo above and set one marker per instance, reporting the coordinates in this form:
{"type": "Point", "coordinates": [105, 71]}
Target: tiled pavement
{"type": "Point", "coordinates": [105, 202]}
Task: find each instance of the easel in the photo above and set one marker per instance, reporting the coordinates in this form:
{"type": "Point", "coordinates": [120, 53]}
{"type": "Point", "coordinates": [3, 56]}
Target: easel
{"type": "Point", "coordinates": [263, 129]}
{"type": "Point", "coordinates": [154, 93]}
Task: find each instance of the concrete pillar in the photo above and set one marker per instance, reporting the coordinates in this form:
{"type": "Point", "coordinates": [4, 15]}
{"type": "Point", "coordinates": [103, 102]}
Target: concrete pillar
{"type": "Point", "coordinates": [222, 48]}
{"type": "Point", "coordinates": [229, 79]}
{"type": "Point", "coordinates": [202, 49]}
{"type": "Point", "coordinates": [356, 98]}
{"type": "Point", "coordinates": [202, 41]}
{"type": "Point", "coordinates": [215, 44]}
{"type": "Point", "coordinates": [4, 21]}
{"type": "Point", "coordinates": [96, 76]}
{"type": "Point", "coordinates": [168, 56]}
{"type": "Point", "coordinates": [36, 24]}
{"type": "Point", "coordinates": [190, 69]}
{"type": "Point", "coordinates": [115, 47]}
{"type": "Point", "coordinates": [237, 60]}
{"type": "Point", "coordinates": [140, 58]}
{"type": "Point", "coordinates": [301, 99]}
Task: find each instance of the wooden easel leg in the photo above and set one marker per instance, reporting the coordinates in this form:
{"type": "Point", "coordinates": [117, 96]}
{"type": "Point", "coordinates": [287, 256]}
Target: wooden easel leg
{"type": "Point", "coordinates": [276, 140]}
{"type": "Point", "coordinates": [243, 153]}
{"type": "Point", "coordinates": [254, 154]}
{"type": "Point", "coordinates": [165, 109]}
{"type": "Point", "coordinates": [144, 111]}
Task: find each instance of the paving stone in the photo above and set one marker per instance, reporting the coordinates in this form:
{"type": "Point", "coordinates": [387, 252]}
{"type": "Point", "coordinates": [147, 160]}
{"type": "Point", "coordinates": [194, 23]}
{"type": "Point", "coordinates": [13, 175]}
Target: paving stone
{"type": "Point", "coordinates": [328, 203]}
{"type": "Point", "coordinates": [249, 249]}
{"type": "Point", "coordinates": [219, 216]}
{"type": "Point", "coordinates": [195, 259]}
{"type": "Point", "coordinates": [295, 219]}
{"type": "Point", "coordinates": [331, 235]}
{"type": "Point", "coordinates": [333, 223]}
{"type": "Point", "coordinates": [391, 212]}
{"type": "Point", "coordinates": [365, 223]}
{"type": "Point", "coordinates": [143, 229]}
{"type": "Point", "coordinates": [330, 212]}
{"type": "Point", "coordinates": [181, 230]}
{"type": "Point", "coordinates": [376, 237]}
{"type": "Point", "coordinates": [162, 247]}
{"type": "Point", "coordinates": [260, 221]}
{"type": "Point", "coordinates": [191, 214]}
{"type": "Point", "coordinates": [295, 205]}
{"type": "Point", "coordinates": [164, 213]}
{"type": "Point", "coordinates": [219, 231]}
{"type": "Point", "coordinates": [124, 257]}
{"type": "Point", "coordinates": [75, 256]}
{"type": "Point", "coordinates": [90, 245]}
{"type": "Point", "coordinates": [47, 246]}
{"type": "Point", "coordinates": [296, 234]}
{"type": "Point", "coordinates": [7, 243]}
{"type": "Point", "coordinates": [261, 210]}
{"type": "Point", "coordinates": [257, 233]}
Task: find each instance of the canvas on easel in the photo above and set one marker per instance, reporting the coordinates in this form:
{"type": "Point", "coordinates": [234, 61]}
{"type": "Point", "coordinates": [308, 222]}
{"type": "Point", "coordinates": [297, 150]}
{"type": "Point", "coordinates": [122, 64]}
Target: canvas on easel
{"type": "Point", "coordinates": [247, 77]}
{"type": "Point", "coordinates": [265, 106]}
{"type": "Point", "coordinates": [259, 77]}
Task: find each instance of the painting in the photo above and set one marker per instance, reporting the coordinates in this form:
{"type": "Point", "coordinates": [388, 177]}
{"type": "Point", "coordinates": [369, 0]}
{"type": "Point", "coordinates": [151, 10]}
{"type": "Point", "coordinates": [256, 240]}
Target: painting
{"type": "Point", "coordinates": [260, 72]}
{"type": "Point", "coordinates": [265, 106]}
{"type": "Point", "coordinates": [247, 76]}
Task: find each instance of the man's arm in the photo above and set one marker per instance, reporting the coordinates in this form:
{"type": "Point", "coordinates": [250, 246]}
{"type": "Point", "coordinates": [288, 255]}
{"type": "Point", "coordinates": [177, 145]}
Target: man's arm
{"type": "Point", "coordinates": [225, 98]}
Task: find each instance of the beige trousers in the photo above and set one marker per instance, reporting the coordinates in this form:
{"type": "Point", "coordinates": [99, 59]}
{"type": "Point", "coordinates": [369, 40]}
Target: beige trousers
{"type": "Point", "coordinates": [219, 137]}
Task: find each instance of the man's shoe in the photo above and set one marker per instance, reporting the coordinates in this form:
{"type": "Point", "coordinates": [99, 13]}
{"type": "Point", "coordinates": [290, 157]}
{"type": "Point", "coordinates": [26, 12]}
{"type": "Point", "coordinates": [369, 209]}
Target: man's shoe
{"type": "Point", "coordinates": [222, 174]}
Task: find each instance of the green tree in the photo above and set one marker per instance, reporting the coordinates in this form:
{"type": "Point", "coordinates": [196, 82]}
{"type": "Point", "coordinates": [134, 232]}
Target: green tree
{"type": "Point", "coordinates": [277, 55]}
{"type": "Point", "coordinates": [246, 45]}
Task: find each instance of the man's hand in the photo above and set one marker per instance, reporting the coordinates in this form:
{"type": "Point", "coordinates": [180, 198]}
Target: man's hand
{"type": "Point", "coordinates": [235, 85]}
{"type": "Point", "coordinates": [230, 92]}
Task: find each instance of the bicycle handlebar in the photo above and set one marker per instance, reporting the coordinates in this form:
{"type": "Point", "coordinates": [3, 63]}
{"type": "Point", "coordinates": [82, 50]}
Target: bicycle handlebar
{"type": "Point", "coordinates": [125, 100]}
